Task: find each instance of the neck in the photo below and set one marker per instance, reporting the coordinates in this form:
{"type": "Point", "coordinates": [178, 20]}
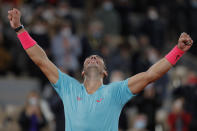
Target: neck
{"type": "Point", "coordinates": [92, 82]}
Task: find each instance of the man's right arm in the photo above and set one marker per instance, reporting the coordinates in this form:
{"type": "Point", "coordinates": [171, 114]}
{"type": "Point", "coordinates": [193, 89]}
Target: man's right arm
{"type": "Point", "coordinates": [35, 52]}
{"type": "Point", "coordinates": [39, 57]}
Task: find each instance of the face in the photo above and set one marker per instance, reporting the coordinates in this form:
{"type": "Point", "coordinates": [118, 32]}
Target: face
{"type": "Point", "coordinates": [94, 62]}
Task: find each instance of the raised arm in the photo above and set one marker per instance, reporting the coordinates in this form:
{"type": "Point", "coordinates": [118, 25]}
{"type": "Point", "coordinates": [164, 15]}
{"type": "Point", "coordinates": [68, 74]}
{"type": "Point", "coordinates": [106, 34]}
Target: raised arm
{"type": "Point", "coordinates": [34, 51]}
{"type": "Point", "coordinates": [138, 82]}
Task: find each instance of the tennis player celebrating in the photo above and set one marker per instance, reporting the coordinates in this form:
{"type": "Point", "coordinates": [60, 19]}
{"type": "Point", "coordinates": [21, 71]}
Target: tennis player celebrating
{"type": "Point", "coordinates": [93, 106]}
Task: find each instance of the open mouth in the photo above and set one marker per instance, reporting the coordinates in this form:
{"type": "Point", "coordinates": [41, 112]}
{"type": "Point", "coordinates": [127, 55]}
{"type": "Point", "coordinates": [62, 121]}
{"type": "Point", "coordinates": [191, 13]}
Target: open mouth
{"type": "Point", "coordinates": [92, 61]}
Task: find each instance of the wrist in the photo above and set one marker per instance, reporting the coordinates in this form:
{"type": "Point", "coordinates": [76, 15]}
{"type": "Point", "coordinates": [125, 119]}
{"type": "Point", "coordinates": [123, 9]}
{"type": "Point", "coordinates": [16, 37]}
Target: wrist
{"type": "Point", "coordinates": [178, 46]}
{"type": "Point", "coordinates": [19, 28]}
{"type": "Point", "coordinates": [20, 31]}
{"type": "Point", "coordinates": [25, 39]}
{"type": "Point", "coordinates": [174, 55]}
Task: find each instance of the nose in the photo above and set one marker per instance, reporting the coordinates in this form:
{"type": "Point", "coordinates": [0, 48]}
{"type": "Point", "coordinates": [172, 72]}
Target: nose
{"type": "Point", "coordinates": [93, 57]}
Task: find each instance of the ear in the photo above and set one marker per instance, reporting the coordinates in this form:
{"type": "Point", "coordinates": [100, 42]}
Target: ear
{"type": "Point", "coordinates": [82, 73]}
{"type": "Point", "coordinates": [105, 73]}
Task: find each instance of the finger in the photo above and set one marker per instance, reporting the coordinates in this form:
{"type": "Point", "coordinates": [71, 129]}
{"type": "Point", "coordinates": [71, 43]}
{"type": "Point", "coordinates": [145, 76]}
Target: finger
{"type": "Point", "coordinates": [188, 43]}
{"type": "Point", "coordinates": [16, 10]}
{"type": "Point", "coordinates": [9, 17]}
{"type": "Point", "coordinates": [183, 35]}
{"type": "Point", "coordinates": [191, 41]}
{"type": "Point", "coordinates": [188, 39]}
{"type": "Point", "coordinates": [9, 11]}
{"type": "Point", "coordinates": [182, 39]}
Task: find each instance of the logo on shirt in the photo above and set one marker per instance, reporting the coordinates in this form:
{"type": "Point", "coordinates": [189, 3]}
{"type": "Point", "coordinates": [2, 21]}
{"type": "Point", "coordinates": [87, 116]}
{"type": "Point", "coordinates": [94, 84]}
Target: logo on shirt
{"type": "Point", "coordinates": [177, 57]}
{"type": "Point", "coordinates": [99, 100]}
{"type": "Point", "coordinates": [78, 98]}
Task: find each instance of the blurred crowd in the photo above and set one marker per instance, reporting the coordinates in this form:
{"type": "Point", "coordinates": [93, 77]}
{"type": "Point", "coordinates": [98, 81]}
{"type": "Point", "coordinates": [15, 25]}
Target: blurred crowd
{"type": "Point", "coordinates": [130, 35]}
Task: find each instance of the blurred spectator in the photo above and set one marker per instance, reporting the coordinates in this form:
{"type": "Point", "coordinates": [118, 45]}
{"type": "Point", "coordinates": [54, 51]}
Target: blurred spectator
{"type": "Point", "coordinates": [63, 11]}
{"type": "Point", "coordinates": [148, 105]}
{"type": "Point", "coordinates": [117, 75]}
{"type": "Point", "coordinates": [56, 106]}
{"type": "Point", "coordinates": [66, 49]}
{"type": "Point", "coordinates": [95, 34]}
{"type": "Point", "coordinates": [5, 57]}
{"type": "Point", "coordinates": [140, 123]}
{"type": "Point", "coordinates": [179, 16]}
{"type": "Point", "coordinates": [91, 42]}
{"type": "Point", "coordinates": [39, 32]}
{"type": "Point", "coordinates": [109, 17]}
{"type": "Point", "coordinates": [192, 23]}
{"type": "Point", "coordinates": [49, 14]}
{"type": "Point", "coordinates": [140, 61]}
{"type": "Point", "coordinates": [77, 3]}
{"type": "Point", "coordinates": [32, 117]}
{"type": "Point", "coordinates": [178, 119]}
{"type": "Point", "coordinates": [188, 91]}
{"type": "Point", "coordinates": [122, 54]}
{"type": "Point", "coordinates": [154, 28]}
{"type": "Point", "coordinates": [124, 9]}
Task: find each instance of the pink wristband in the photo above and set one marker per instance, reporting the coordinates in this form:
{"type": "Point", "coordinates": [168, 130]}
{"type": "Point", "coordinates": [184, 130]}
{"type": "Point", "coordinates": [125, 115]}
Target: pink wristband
{"type": "Point", "coordinates": [26, 40]}
{"type": "Point", "coordinates": [174, 55]}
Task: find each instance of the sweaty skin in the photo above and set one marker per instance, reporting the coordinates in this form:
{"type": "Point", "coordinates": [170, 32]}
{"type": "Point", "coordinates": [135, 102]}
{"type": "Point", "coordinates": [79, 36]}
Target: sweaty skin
{"type": "Point", "coordinates": [94, 68]}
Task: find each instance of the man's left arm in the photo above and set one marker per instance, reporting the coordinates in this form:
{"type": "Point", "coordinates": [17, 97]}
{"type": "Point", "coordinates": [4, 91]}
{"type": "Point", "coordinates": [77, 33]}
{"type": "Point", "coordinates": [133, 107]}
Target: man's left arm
{"type": "Point", "coordinates": [138, 82]}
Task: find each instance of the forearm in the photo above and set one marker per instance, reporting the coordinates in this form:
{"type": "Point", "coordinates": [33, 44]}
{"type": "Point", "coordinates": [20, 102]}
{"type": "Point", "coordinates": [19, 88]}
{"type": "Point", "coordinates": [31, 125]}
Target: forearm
{"type": "Point", "coordinates": [35, 52]}
{"type": "Point", "coordinates": [38, 56]}
{"type": "Point", "coordinates": [138, 82]}
{"type": "Point", "coordinates": [157, 70]}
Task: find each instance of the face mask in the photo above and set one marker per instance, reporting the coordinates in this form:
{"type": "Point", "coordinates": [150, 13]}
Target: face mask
{"type": "Point", "coordinates": [153, 15]}
{"type": "Point", "coordinates": [140, 124]}
{"type": "Point", "coordinates": [152, 57]}
{"type": "Point", "coordinates": [48, 15]}
{"type": "Point", "coordinates": [107, 6]}
{"type": "Point", "coordinates": [66, 32]}
{"type": "Point", "coordinates": [39, 29]}
{"type": "Point", "coordinates": [33, 101]}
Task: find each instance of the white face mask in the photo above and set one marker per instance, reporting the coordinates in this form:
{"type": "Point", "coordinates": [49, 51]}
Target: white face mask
{"type": "Point", "coordinates": [39, 29]}
{"type": "Point", "coordinates": [140, 124]}
{"type": "Point", "coordinates": [33, 101]}
{"type": "Point", "coordinates": [49, 16]}
{"type": "Point", "coordinates": [153, 15]}
{"type": "Point", "coordinates": [66, 32]}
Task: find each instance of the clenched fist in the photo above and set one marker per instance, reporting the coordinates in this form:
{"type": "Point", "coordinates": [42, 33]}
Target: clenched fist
{"type": "Point", "coordinates": [14, 16]}
{"type": "Point", "coordinates": [185, 42]}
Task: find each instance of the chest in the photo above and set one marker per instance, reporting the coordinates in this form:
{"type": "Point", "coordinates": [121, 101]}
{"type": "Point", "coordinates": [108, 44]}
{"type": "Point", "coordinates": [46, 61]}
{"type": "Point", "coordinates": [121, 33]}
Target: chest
{"type": "Point", "coordinates": [81, 102]}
